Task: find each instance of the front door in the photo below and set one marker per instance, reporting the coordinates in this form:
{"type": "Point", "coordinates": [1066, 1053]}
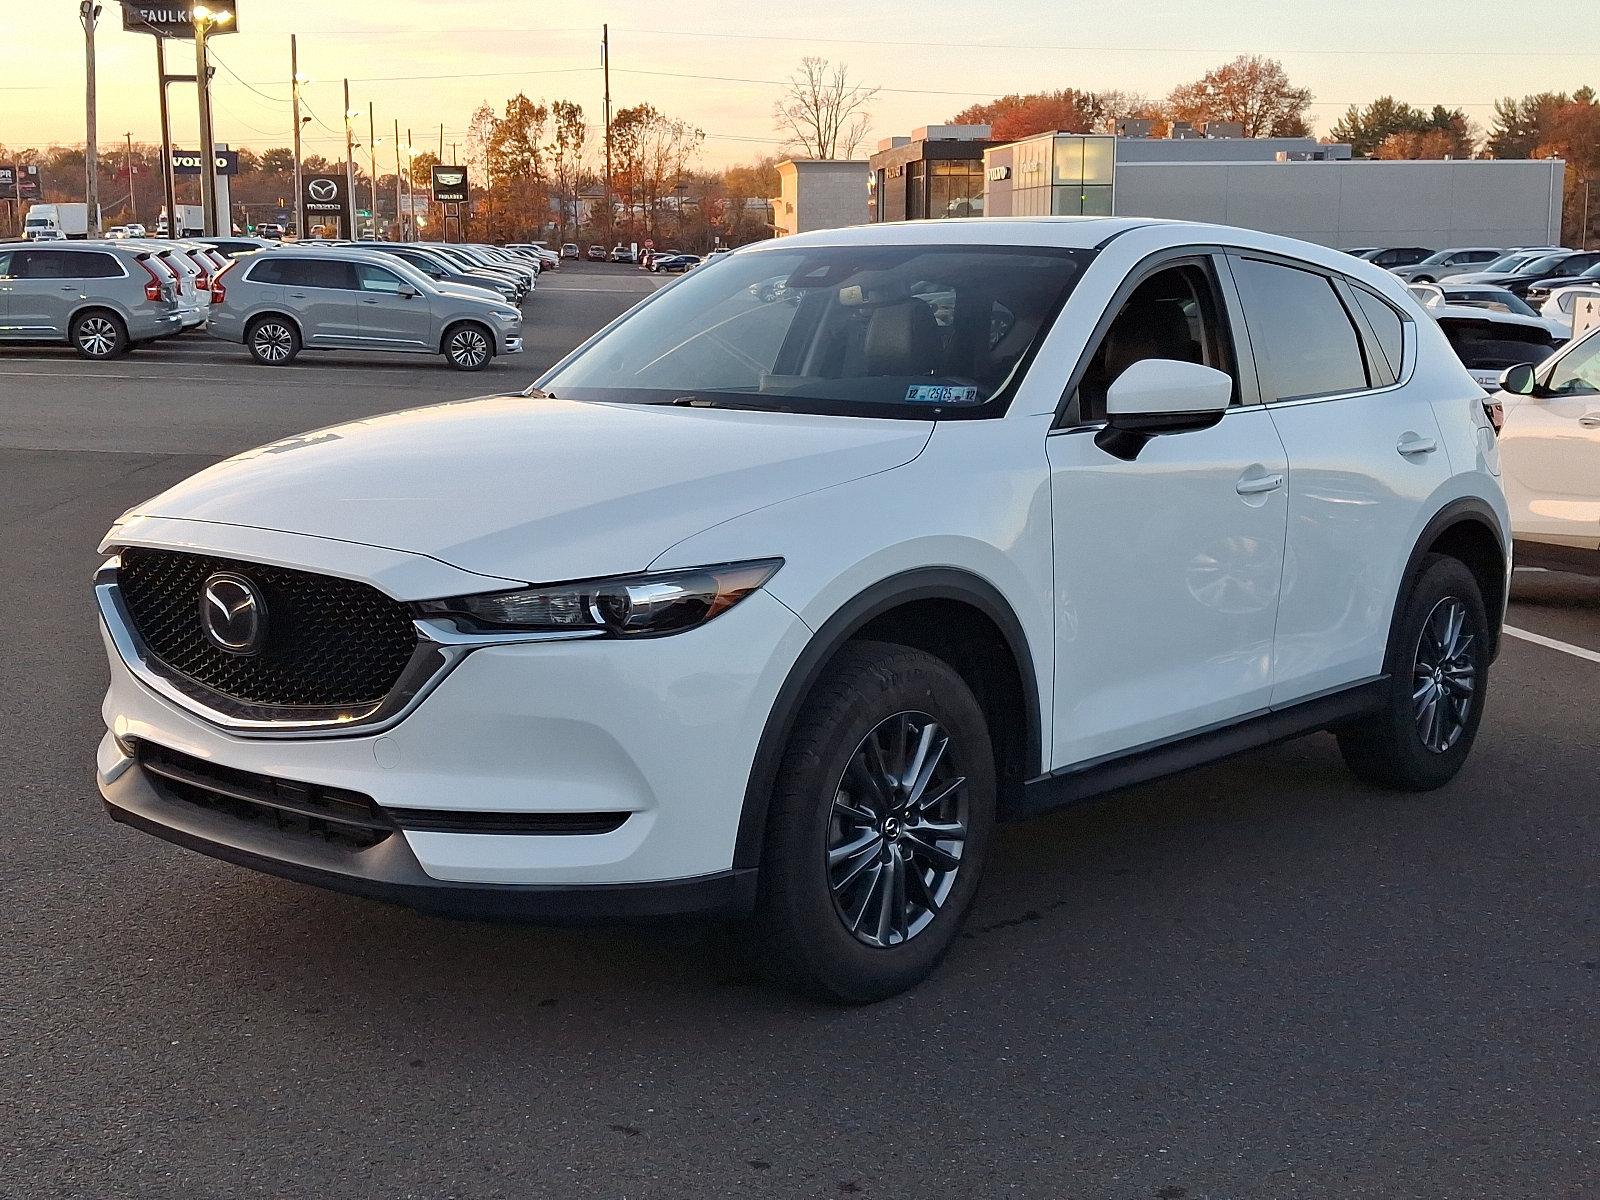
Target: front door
{"type": "Point", "coordinates": [1550, 448]}
{"type": "Point", "coordinates": [394, 314]}
{"type": "Point", "coordinates": [1167, 567]}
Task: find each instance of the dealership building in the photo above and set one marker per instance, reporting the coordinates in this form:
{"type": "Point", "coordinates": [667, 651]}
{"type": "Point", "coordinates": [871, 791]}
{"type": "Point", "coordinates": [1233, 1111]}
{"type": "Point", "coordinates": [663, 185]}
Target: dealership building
{"type": "Point", "coordinates": [1298, 187]}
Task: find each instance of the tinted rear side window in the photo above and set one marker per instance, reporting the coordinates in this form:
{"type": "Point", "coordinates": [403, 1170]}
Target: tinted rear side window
{"type": "Point", "coordinates": [303, 272]}
{"type": "Point", "coordinates": [44, 264]}
{"type": "Point", "coordinates": [1386, 326]}
{"type": "Point", "coordinates": [1302, 337]}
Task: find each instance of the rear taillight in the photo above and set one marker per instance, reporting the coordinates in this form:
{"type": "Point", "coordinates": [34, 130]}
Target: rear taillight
{"type": "Point", "coordinates": [152, 290]}
{"type": "Point", "coordinates": [218, 292]}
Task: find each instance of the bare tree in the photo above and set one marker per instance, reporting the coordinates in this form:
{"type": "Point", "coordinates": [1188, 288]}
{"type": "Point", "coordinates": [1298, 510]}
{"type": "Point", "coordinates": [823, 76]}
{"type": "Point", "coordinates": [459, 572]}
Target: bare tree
{"type": "Point", "coordinates": [822, 112]}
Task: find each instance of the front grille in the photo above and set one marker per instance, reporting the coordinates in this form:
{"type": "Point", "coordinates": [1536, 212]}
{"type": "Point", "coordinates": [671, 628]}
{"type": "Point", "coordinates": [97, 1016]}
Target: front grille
{"type": "Point", "coordinates": [330, 643]}
{"type": "Point", "coordinates": [327, 814]}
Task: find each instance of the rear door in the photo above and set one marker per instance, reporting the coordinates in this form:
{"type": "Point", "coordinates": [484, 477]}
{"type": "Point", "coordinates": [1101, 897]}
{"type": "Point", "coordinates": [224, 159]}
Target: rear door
{"type": "Point", "coordinates": [394, 313]}
{"type": "Point", "coordinates": [1365, 454]}
{"type": "Point", "coordinates": [324, 293]}
{"type": "Point", "coordinates": [44, 290]}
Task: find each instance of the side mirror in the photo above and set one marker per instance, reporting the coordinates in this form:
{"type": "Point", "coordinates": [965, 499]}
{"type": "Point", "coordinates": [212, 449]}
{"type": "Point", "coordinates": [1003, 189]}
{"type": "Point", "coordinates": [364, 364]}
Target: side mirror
{"type": "Point", "coordinates": [409, 293]}
{"type": "Point", "coordinates": [1161, 395]}
{"type": "Point", "coordinates": [1519, 380]}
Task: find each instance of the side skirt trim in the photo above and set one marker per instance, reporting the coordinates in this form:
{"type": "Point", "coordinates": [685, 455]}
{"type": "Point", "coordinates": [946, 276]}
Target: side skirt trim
{"type": "Point", "coordinates": [1156, 760]}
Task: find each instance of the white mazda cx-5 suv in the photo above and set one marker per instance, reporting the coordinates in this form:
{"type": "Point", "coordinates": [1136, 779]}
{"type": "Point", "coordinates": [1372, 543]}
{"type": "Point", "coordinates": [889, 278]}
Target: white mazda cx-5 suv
{"type": "Point", "coordinates": [772, 597]}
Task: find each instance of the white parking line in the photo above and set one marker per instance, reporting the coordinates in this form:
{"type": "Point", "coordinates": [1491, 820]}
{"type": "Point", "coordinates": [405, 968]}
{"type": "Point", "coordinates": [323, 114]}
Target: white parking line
{"type": "Point", "coordinates": [1539, 639]}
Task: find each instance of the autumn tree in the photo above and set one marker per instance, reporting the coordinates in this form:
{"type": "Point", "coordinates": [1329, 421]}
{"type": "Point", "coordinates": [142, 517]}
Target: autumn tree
{"type": "Point", "coordinates": [568, 135]}
{"type": "Point", "coordinates": [822, 112]}
{"type": "Point", "coordinates": [1390, 128]}
{"type": "Point", "coordinates": [1521, 125]}
{"type": "Point", "coordinates": [1018, 116]}
{"type": "Point", "coordinates": [1253, 91]}
{"type": "Point", "coordinates": [740, 186]}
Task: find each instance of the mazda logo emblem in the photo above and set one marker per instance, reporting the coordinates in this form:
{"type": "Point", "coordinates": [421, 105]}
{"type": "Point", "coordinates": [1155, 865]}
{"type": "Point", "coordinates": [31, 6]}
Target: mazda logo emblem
{"type": "Point", "coordinates": [233, 614]}
{"type": "Point", "coordinates": [322, 189]}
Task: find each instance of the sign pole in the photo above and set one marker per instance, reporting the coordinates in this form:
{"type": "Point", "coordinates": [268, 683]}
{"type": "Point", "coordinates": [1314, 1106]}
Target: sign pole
{"type": "Point", "coordinates": [168, 185]}
{"type": "Point", "coordinates": [89, 15]}
{"type": "Point", "coordinates": [208, 145]}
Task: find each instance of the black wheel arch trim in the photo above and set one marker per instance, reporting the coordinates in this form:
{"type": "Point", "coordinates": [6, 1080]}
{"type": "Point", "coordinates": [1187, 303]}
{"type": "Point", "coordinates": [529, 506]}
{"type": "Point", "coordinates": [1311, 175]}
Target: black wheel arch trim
{"type": "Point", "coordinates": [928, 583]}
{"type": "Point", "coordinates": [1467, 510]}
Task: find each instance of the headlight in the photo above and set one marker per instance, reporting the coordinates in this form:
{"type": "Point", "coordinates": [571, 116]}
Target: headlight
{"type": "Point", "coordinates": [509, 316]}
{"type": "Point", "coordinates": [626, 606]}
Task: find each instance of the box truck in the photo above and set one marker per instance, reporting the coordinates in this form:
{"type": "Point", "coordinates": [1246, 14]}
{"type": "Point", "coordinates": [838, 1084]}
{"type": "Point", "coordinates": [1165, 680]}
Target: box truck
{"type": "Point", "coordinates": [191, 222]}
{"type": "Point", "coordinates": [48, 220]}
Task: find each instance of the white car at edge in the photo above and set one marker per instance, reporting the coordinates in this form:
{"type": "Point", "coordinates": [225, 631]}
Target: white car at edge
{"type": "Point", "coordinates": [766, 602]}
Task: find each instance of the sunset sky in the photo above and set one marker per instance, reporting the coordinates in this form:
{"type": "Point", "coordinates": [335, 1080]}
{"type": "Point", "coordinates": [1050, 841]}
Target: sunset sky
{"type": "Point", "coordinates": [431, 61]}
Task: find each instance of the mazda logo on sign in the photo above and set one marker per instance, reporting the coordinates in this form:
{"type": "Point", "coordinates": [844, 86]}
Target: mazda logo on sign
{"type": "Point", "coordinates": [233, 614]}
{"type": "Point", "coordinates": [322, 189]}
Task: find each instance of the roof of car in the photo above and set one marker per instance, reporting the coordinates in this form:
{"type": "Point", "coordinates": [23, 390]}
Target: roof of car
{"type": "Point", "coordinates": [1467, 313]}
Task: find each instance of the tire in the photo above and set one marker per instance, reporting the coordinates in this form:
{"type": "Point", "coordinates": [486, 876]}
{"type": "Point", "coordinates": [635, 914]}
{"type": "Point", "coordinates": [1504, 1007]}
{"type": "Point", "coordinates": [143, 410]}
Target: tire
{"type": "Point", "coordinates": [1410, 745]}
{"type": "Point", "coordinates": [1423, 279]}
{"type": "Point", "coordinates": [99, 335]}
{"type": "Point", "coordinates": [273, 341]}
{"type": "Point", "coordinates": [468, 347]}
{"type": "Point", "coordinates": [859, 929]}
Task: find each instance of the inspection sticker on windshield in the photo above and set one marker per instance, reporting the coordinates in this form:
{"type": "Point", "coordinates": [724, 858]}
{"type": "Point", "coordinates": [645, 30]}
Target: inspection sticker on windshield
{"type": "Point", "coordinates": [932, 393]}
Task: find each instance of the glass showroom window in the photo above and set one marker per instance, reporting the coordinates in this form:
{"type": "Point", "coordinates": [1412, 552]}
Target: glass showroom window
{"type": "Point", "coordinates": [956, 189]}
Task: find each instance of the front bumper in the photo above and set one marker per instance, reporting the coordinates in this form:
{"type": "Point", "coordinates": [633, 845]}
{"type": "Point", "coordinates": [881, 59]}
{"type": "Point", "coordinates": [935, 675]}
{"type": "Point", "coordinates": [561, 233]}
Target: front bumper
{"type": "Point", "coordinates": [390, 870]}
{"type": "Point", "coordinates": [662, 731]}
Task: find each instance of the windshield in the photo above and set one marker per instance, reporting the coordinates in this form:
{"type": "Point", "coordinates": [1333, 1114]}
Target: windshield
{"type": "Point", "coordinates": [1509, 262]}
{"type": "Point", "coordinates": [899, 331]}
{"type": "Point", "coordinates": [1495, 298]}
{"type": "Point", "coordinates": [1540, 265]}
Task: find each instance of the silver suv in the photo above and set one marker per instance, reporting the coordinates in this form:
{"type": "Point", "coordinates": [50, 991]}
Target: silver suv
{"type": "Point", "coordinates": [103, 299]}
{"type": "Point", "coordinates": [279, 302]}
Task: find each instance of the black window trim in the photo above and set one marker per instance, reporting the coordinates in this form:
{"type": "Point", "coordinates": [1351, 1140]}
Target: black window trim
{"type": "Point", "coordinates": [97, 250]}
{"type": "Point", "coordinates": [1212, 260]}
{"type": "Point", "coordinates": [1365, 340]}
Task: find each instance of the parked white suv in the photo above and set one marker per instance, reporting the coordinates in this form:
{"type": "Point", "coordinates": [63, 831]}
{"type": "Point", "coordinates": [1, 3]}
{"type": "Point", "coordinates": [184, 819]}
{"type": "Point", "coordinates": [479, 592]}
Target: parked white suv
{"type": "Point", "coordinates": [769, 600]}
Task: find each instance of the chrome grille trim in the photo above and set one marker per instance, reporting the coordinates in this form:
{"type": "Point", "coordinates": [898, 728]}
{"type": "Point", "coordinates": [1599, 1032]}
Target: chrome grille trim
{"type": "Point", "coordinates": [440, 649]}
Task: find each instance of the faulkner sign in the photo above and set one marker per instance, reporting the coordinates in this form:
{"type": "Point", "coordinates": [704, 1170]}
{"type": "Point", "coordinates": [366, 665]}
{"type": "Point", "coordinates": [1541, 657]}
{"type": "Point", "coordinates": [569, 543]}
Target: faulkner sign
{"type": "Point", "coordinates": [326, 202]}
{"type": "Point", "coordinates": [450, 185]}
{"type": "Point", "coordinates": [174, 20]}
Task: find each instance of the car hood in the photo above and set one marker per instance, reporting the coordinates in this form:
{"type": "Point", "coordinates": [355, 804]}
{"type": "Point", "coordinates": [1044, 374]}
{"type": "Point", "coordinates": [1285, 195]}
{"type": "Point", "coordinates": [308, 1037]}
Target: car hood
{"type": "Point", "coordinates": [539, 490]}
{"type": "Point", "coordinates": [488, 295]}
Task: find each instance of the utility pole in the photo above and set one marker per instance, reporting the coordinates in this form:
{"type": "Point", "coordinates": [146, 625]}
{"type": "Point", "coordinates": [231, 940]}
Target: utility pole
{"type": "Point", "coordinates": [203, 22]}
{"type": "Point", "coordinates": [88, 16]}
{"type": "Point", "coordinates": [605, 63]}
{"type": "Point", "coordinates": [299, 189]}
{"type": "Point", "coordinates": [349, 167]}
{"type": "Point", "coordinates": [411, 187]}
{"type": "Point", "coordinates": [133, 191]}
{"type": "Point", "coordinates": [399, 213]}
{"type": "Point", "coordinates": [372, 162]}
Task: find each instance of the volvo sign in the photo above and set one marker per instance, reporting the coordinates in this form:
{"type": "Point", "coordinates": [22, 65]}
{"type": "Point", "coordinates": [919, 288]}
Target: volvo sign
{"type": "Point", "coordinates": [187, 162]}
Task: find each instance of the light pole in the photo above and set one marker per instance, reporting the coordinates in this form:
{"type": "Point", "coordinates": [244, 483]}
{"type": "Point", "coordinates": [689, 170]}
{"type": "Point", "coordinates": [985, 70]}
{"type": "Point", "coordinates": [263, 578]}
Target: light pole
{"type": "Point", "coordinates": [296, 79]}
{"type": "Point", "coordinates": [372, 162]}
{"type": "Point", "coordinates": [204, 22]}
{"type": "Point", "coordinates": [350, 114]}
{"type": "Point", "coordinates": [88, 17]}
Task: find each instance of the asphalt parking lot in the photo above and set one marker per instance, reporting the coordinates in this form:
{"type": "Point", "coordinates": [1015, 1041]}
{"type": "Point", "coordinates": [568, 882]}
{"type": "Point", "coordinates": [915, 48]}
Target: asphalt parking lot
{"type": "Point", "coordinates": [1259, 980]}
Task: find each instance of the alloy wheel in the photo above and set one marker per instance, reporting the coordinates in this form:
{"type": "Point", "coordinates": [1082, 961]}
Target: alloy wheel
{"type": "Point", "coordinates": [1444, 676]}
{"type": "Point", "coordinates": [469, 348]}
{"type": "Point", "coordinates": [97, 337]}
{"type": "Point", "coordinates": [897, 830]}
{"type": "Point", "coordinates": [272, 343]}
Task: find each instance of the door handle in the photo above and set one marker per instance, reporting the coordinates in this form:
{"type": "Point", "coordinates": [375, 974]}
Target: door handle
{"type": "Point", "coordinates": [297, 295]}
{"type": "Point", "coordinates": [369, 302]}
{"type": "Point", "coordinates": [1256, 485]}
{"type": "Point", "coordinates": [67, 287]}
{"type": "Point", "coordinates": [1590, 420]}
{"type": "Point", "coordinates": [1412, 444]}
